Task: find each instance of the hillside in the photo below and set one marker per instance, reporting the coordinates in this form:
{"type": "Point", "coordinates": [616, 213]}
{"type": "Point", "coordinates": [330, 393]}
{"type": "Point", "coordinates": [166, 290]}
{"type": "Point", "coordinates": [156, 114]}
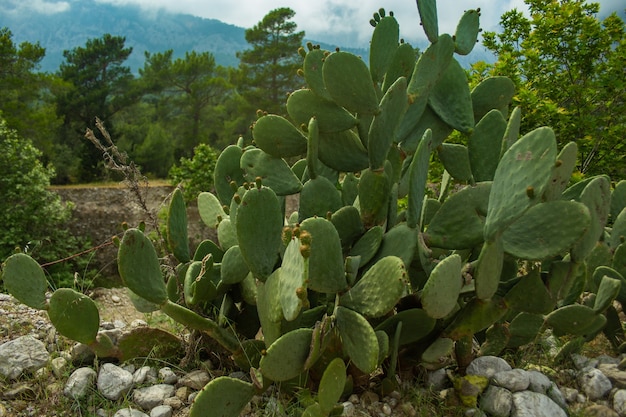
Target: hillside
{"type": "Point", "coordinates": [153, 32]}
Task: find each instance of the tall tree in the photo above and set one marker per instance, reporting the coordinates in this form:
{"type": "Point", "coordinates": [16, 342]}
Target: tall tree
{"type": "Point", "coordinates": [570, 70]}
{"type": "Point", "coordinates": [268, 71]}
{"type": "Point", "coordinates": [100, 86]}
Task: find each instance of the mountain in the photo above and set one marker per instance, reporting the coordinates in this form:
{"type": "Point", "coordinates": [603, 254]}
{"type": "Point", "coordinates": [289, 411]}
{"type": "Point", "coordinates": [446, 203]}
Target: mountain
{"type": "Point", "coordinates": [153, 32]}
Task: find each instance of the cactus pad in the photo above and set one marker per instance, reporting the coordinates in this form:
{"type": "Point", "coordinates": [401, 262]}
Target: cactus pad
{"type": "Point", "coordinates": [285, 357]}
{"type": "Point", "coordinates": [227, 169]}
{"type": "Point", "coordinates": [466, 33]}
{"type": "Point", "coordinates": [451, 99]}
{"type": "Point", "coordinates": [274, 172]}
{"type": "Point", "coordinates": [276, 136]}
{"type": "Point", "coordinates": [484, 145]}
{"type": "Point", "coordinates": [332, 385]}
{"type": "Point", "coordinates": [177, 227]}
{"type": "Point", "coordinates": [304, 104]}
{"type": "Point", "coordinates": [326, 273]}
{"type": "Point", "coordinates": [359, 339]}
{"type": "Point", "coordinates": [25, 280]}
{"type": "Point", "coordinates": [210, 208]}
{"type": "Point", "coordinates": [222, 397]}
{"type": "Point", "coordinates": [74, 315]}
{"type": "Point", "coordinates": [428, 16]}
{"type": "Point", "coordinates": [440, 294]}
{"type": "Point", "coordinates": [575, 319]}
{"type": "Point", "coordinates": [416, 324]}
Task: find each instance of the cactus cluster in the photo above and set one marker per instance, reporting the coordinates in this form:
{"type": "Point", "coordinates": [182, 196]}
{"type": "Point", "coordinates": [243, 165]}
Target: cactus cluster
{"type": "Point", "coordinates": [342, 286]}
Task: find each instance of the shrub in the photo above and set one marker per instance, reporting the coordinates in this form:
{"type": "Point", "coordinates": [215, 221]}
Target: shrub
{"type": "Point", "coordinates": [195, 174]}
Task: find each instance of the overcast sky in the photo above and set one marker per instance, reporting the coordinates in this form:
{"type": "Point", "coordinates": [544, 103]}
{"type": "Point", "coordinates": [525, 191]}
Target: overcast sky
{"type": "Point", "coordinates": [344, 22]}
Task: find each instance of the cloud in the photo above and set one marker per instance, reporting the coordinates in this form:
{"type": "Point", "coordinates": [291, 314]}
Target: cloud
{"type": "Point", "coordinates": [39, 6]}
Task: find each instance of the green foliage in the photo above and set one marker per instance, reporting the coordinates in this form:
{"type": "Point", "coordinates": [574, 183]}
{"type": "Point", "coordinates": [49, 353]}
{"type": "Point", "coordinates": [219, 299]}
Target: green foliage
{"type": "Point", "coordinates": [195, 174]}
{"type": "Point", "coordinates": [568, 67]}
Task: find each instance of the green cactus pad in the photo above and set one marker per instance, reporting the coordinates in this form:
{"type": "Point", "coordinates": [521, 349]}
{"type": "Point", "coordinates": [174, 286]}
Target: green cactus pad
{"type": "Point", "coordinates": [618, 199]}
{"type": "Point", "coordinates": [374, 190]}
{"type": "Point", "coordinates": [466, 33]}
{"type": "Point", "coordinates": [524, 329]}
{"type": "Point", "coordinates": [383, 47]}
{"type": "Point", "coordinates": [199, 287]}
{"type": "Point", "coordinates": [234, 268]}
{"type": "Point", "coordinates": [139, 267]}
{"type": "Point", "coordinates": [227, 169]}
{"type": "Point", "coordinates": [451, 99]}
{"type": "Point", "coordinates": [428, 16]}
{"type": "Point", "coordinates": [259, 229]}
{"type": "Point", "coordinates": [431, 206]}
{"type": "Point", "coordinates": [575, 319]}
{"type": "Point", "coordinates": [527, 165]}
{"type": "Point", "coordinates": [484, 145]}
{"type": "Point", "coordinates": [546, 229]}
{"type": "Point", "coordinates": [440, 294]}
{"type": "Point", "coordinates": [619, 259]}
{"type": "Point", "coordinates": [349, 83]}
{"type": "Point", "coordinates": [274, 172]}
{"type": "Point", "coordinates": [269, 307]}
{"type": "Point", "coordinates": [210, 208]}
{"type": "Point", "coordinates": [530, 295]}
{"type": "Point", "coordinates": [492, 93]}
{"type": "Point", "coordinates": [597, 197]}
{"type": "Point", "coordinates": [488, 270]}
{"type": "Point", "coordinates": [496, 339]}
{"type": "Point", "coordinates": [455, 159]}
{"type": "Point", "coordinates": [226, 234]}
{"type": "Point", "coordinates": [332, 385]}
{"type": "Point", "coordinates": [285, 357]}
{"type": "Point", "coordinates": [601, 255]}
{"type": "Point", "coordinates": [381, 134]}
{"type": "Point", "coordinates": [318, 197]}
{"type": "Point", "coordinates": [401, 65]}
{"type": "Point", "coordinates": [618, 232]}
{"type": "Point", "coordinates": [276, 136]}
{"type": "Point", "coordinates": [562, 172]}
{"type": "Point", "coordinates": [349, 189]}
{"type": "Point", "coordinates": [304, 104]}
{"type": "Point", "coordinates": [367, 246]}
{"type": "Point", "coordinates": [25, 280]}
{"type": "Point", "coordinates": [207, 247]}
{"type": "Point", "coordinates": [249, 355]}
{"type": "Point", "coordinates": [74, 315]}
{"type": "Point", "coordinates": [142, 305]}
{"type": "Point", "coordinates": [347, 221]}
{"type": "Point", "coordinates": [436, 355]}
{"type": "Point", "coordinates": [400, 241]}
{"type": "Point", "coordinates": [418, 176]}
{"type": "Point", "coordinates": [383, 345]}
{"type": "Point", "coordinates": [512, 128]}
{"type": "Point", "coordinates": [416, 324]}
{"type": "Point", "coordinates": [326, 273]}
{"type": "Point", "coordinates": [378, 291]}
{"type": "Point", "coordinates": [293, 281]}
{"type": "Point", "coordinates": [313, 76]}
{"type": "Point", "coordinates": [248, 289]}
{"type": "Point", "coordinates": [460, 221]}
{"type": "Point", "coordinates": [608, 290]}
{"type": "Point", "coordinates": [222, 397]}
{"type": "Point", "coordinates": [359, 339]}
{"type": "Point", "coordinates": [475, 316]}
{"type": "Point", "coordinates": [342, 151]}
{"type": "Point", "coordinates": [177, 227]}
{"type": "Point", "coordinates": [429, 120]}
{"type": "Point", "coordinates": [143, 342]}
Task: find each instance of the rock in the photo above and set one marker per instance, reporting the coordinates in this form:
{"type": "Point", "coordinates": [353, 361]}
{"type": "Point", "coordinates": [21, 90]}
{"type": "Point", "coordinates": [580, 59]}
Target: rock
{"type": "Point", "coordinates": [140, 375]}
{"type": "Point", "coordinates": [168, 376]}
{"type": "Point", "coordinates": [555, 394]}
{"type": "Point", "coordinates": [22, 354]}
{"type": "Point", "coordinates": [513, 380]}
{"type": "Point", "coordinates": [138, 323]}
{"type": "Point", "coordinates": [615, 375]}
{"type": "Point", "coordinates": [149, 397]}
{"type": "Point", "coordinates": [594, 383]}
{"type": "Point", "coordinates": [58, 365]}
{"type": "Point", "coordinates": [79, 383]}
{"type": "Point", "coordinates": [538, 382]}
{"type": "Point", "coordinates": [129, 412]}
{"type": "Point", "coordinates": [570, 394]}
{"type": "Point", "coordinates": [349, 410]}
{"type": "Point", "coordinates": [113, 381]}
{"type": "Point", "coordinates": [496, 401]}
{"type": "Point", "coordinates": [581, 362]}
{"type": "Point", "coordinates": [161, 411]}
{"type": "Point", "coordinates": [619, 402]}
{"type": "Point", "coordinates": [533, 404]}
{"type": "Point", "coordinates": [82, 355]}
{"type": "Point", "coordinates": [437, 380]}
{"type": "Point", "coordinates": [174, 402]}
{"type": "Point", "coordinates": [195, 379]}
{"type": "Point", "coordinates": [598, 410]}
{"type": "Point", "coordinates": [487, 366]}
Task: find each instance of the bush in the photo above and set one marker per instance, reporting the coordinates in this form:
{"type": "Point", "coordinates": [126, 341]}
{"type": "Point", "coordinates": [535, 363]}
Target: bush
{"type": "Point", "coordinates": [195, 174]}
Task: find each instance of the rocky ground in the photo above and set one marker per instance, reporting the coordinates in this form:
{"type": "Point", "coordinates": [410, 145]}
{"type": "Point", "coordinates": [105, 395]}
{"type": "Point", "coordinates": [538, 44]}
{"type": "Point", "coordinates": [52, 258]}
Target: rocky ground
{"type": "Point", "coordinates": [40, 375]}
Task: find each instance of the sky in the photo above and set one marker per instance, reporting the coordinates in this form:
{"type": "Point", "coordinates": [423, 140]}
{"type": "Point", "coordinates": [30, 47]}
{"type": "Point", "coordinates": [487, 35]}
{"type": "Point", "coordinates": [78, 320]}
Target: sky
{"type": "Point", "coordinates": [344, 22]}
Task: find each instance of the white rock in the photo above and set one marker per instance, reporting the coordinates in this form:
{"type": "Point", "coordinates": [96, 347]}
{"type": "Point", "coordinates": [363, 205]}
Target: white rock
{"type": "Point", "coordinates": [594, 383]}
{"type": "Point", "coordinates": [22, 354]}
{"type": "Point", "coordinates": [533, 404]}
{"type": "Point", "coordinates": [58, 365]}
{"type": "Point", "coordinates": [79, 383]}
{"type": "Point", "coordinates": [619, 402]}
{"type": "Point", "coordinates": [139, 377]}
{"type": "Point", "coordinates": [538, 382]}
{"type": "Point", "coordinates": [487, 366]}
{"type": "Point", "coordinates": [513, 380]}
{"type": "Point", "coordinates": [150, 397]}
{"type": "Point", "coordinates": [168, 376]}
{"type": "Point", "coordinates": [129, 412]}
{"type": "Point", "coordinates": [496, 401]}
{"type": "Point", "coordinates": [161, 411]}
{"type": "Point", "coordinates": [113, 381]}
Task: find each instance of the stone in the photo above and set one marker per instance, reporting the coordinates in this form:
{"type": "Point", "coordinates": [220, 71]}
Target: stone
{"type": "Point", "coordinates": [174, 402]}
{"type": "Point", "coordinates": [80, 383]}
{"type": "Point", "coordinates": [195, 379]}
{"type": "Point", "coordinates": [533, 404]}
{"type": "Point", "coordinates": [487, 366]}
{"type": "Point", "coordinates": [615, 375]}
{"type": "Point", "coordinates": [538, 382]}
{"type": "Point", "coordinates": [150, 397]}
{"type": "Point", "coordinates": [349, 410]}
{"type": "Point", "coordinates": [161, 411]}
{"type": "Point", "coordinates": [168, 376]}
{"type": "Point", "coordinates": [582, 362]}
{"type": "Point", "coordinates": [496, 401]}
{"type": "Point", "coordinates": [24, 354]}
{"type": "Point", "coordinates": [437, 380]}
{"type": "Point", "coordinates": [138, 323]}
{"type": "Point", "coordinates": [140, 375]}
{"type": "Point", "coordinates": [129, 412]}
{"type": "Point", "coordinates": [599, 410]}
{"type": "Point", "coordinates": [594, 383]}
{"type": "Point", "coordinates": [183, 393]}
{"type": "Point", "coordinates": [58, 365]}
{"type": "Point", "coordinates": [513, 380]}
{"type": "Point", "coordinates": [82, 355]}
{"type": "Point", "coordinates": [113, 381]}
{"type": "Point", "coordinates": [555, 394]}
{"type": "Point", "coordinates": [570, 394]}
{"type": "Point", "coordinates": [619, 402]}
